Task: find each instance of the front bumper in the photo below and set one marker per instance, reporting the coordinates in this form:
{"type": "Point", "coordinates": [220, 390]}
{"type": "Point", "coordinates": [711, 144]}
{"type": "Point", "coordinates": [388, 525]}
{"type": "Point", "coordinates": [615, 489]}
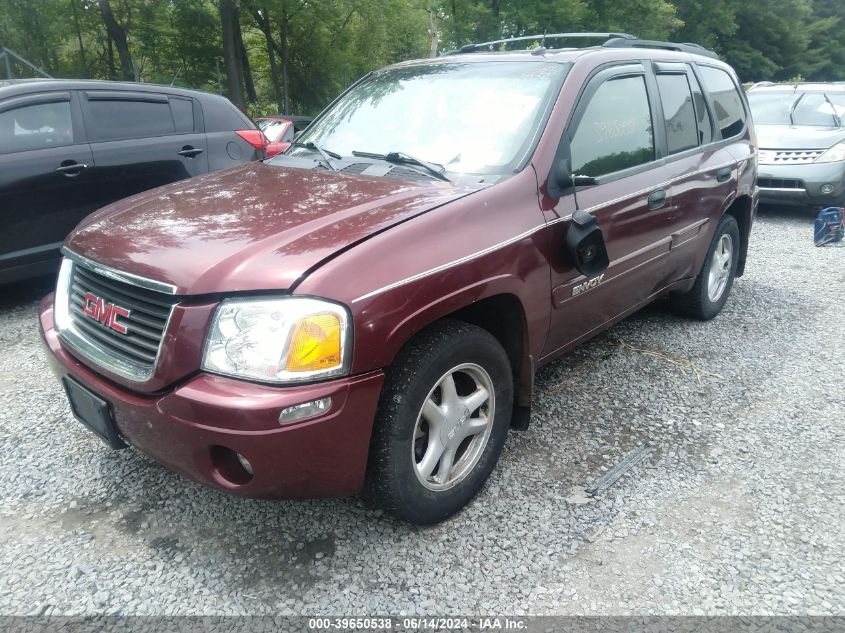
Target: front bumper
{"type": "Point", "coordinates": [801, 185]}
{"type": "Point", "coordinates": [193, 427]}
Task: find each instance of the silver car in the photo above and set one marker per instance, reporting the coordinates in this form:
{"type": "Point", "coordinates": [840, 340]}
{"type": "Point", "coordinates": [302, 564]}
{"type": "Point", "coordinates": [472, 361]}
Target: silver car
{"type": "Point", "coordinates": [802, 142]}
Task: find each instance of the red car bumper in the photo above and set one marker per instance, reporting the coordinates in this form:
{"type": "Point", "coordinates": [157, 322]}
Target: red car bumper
{"type": "Point", "coordinates": [193, 428]}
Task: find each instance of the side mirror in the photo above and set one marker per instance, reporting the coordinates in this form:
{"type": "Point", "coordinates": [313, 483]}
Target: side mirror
{"type": "Point", "coordinates": [561, 179]}
{"type": "Point", "coordinates": [585, 243]}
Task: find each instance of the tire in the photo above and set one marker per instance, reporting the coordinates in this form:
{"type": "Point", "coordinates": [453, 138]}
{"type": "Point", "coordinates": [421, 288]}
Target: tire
{"type": "Point", "coordinates": [711, 289]}
{"type": "Point", "coordinates": [403, 434]}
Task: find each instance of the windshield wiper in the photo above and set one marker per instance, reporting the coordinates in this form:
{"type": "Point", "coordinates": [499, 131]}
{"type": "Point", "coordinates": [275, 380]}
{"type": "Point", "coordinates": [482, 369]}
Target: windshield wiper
{"type": "Point", "coordinates": [327, 154]}
{"type": "Point", "coordinates": [794, 106]}
{"type": "Point", "coordinates": [401, 158]}
{"type": "Point", "coordinates": [836, 118]}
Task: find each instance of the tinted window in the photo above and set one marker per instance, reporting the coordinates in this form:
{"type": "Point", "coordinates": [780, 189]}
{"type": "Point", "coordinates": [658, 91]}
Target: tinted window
{"type": "Point", "coordinates": [183, 114]}
{"type": "Point", "coordinates": [702, 115]}
{"type": "Point", "coordinates": [729, 111]}
{"type": "Point", "coordinates": [678, 111]}
{"type": "Point", "coordinates": [36, 127]}
{"type": "Point", "coordinates": [117, 119]}
{"type": "Point", "coordinates": [615, 132]}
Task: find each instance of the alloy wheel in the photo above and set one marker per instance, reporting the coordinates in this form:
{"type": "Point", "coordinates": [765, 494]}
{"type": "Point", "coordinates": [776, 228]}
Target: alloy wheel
{"type": "Point", "coordinates": [720, 268]}
{"type": "Point", "coordinates": [453, 427]}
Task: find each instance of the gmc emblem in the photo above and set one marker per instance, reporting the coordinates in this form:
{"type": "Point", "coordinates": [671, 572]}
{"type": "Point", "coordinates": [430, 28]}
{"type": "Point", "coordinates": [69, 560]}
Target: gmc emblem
{"type": "Point", "coordinates": [106, 313]}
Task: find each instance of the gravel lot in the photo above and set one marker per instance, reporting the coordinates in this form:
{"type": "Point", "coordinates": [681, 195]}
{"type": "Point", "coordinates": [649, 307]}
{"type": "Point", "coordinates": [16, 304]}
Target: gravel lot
{"type": "Point", "coordinates": [737, 510]}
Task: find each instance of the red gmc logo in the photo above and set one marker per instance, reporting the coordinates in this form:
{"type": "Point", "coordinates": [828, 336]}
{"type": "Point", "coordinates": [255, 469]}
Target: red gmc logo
{"type": "Point", "coordinates": [106, 313]}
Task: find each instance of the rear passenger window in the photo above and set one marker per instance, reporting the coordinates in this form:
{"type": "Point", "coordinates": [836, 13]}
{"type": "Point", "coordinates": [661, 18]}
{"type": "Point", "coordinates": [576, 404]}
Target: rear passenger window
{"type": "Point", "coordinates": [113, 119]}
{"type": "Point", "coordinates": [678, 111]}
{"type": "Point", "coordinates": [615, 132]}
{"type": "Point", "coordinates": [705, 128]}
{"type": "Point", "coordinates": [35, 127]}
{"type": "Point", "coordinates": [183, 114]}
{"type": "Point", "coordinates": [727, 102]}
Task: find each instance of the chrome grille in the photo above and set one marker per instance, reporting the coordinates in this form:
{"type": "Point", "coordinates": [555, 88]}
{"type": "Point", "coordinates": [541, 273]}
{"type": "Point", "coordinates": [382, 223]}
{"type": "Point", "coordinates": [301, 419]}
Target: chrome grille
{"type": "Point", "coordinates": [788, 156]}
{"type": "Point", "coordinates": [129, 345]}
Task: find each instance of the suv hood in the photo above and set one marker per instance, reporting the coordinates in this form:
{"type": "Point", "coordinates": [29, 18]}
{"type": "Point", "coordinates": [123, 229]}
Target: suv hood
{"type": "Point", "coordinates": [797, 136]}
{"type": "Point", "coordinates": [254, 227]}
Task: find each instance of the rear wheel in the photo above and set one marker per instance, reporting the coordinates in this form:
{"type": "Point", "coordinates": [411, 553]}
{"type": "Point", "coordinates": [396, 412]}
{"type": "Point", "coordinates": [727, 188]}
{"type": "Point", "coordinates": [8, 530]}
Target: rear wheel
{"type": "Point", "coordinates": [442, 421]}
{"type": "Point", "coordinates": [714, 282]}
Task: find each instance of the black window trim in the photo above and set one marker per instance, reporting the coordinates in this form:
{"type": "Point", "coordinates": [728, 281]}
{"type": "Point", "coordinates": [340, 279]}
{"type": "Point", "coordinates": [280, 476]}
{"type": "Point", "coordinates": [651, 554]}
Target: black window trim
{"type": "Point", "coordinates": [694, 83]}
{"type": "Point", "coordinates": [117, 95]}
{"type": "Point", "coordinates": [37, 98]}
{"type": "Point", "coordinates": [199, 118]}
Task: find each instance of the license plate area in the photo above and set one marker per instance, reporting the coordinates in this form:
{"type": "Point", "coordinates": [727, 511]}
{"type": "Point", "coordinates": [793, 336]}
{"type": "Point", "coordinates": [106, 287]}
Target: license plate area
{"type": "Point", "coordinates": [93, 412]}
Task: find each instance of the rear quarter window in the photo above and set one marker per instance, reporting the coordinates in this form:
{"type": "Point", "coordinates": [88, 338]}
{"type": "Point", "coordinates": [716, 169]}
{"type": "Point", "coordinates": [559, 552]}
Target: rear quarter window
{"type": "Point", "coordinates": [727, 102]}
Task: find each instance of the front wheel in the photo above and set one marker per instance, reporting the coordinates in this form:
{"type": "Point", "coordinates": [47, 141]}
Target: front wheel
{"type": "Point", "coordinates": [442, 421]}
{"type": "Point", "coordinates": [714, 282]}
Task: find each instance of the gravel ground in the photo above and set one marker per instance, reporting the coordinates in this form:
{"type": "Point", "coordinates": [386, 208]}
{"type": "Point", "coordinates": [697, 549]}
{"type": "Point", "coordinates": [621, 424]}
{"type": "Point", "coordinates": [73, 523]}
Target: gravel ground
{"type": "Point", "coordinates": [736, 510]}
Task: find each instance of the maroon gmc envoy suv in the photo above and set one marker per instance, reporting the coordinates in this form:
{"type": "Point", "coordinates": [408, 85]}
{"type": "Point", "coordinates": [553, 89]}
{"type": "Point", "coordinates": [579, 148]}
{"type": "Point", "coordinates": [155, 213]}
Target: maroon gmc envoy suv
{"type": "Point", "coordinates": [367, 311]}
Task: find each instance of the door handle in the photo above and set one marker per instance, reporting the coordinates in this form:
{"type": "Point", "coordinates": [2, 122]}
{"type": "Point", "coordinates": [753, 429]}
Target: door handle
{"type": "Point", "coordinates": [657, 199]}
{"type": "Point", "coordinates": [71, 169]}
{"type": "Point", "coordinates": [724, 174]}
{"type": "Point", "coordinates": [189, 151]}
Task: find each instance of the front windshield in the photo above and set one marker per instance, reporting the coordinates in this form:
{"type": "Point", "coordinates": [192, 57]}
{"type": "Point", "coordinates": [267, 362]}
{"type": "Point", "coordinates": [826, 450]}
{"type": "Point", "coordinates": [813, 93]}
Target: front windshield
{"type": "Point", "coordinates": [805, 108]}
{"type": "Point", "coordinates": [473, 118]}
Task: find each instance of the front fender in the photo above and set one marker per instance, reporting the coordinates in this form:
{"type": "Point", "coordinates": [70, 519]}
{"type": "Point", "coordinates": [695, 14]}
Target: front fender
{"type": "Point", "coordinates": [399, 281]}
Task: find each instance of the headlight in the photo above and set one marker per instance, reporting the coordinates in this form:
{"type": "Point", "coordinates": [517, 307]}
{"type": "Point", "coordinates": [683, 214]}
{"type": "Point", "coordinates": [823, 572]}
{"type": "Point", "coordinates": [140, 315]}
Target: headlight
{"type": "Point", "coordinates": [279, 340]}
{"type": "Point", "coordinates": [834, 154]}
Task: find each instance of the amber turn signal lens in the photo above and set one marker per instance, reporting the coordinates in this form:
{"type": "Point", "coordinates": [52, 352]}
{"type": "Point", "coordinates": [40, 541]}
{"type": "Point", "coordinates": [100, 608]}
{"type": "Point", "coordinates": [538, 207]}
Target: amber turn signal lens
{"type": "Point", "coordinates": [315, 344]}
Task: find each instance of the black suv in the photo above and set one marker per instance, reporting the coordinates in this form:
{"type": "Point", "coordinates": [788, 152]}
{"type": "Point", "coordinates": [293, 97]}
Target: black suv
{"type": "Point", "coordinates": [69, 147]}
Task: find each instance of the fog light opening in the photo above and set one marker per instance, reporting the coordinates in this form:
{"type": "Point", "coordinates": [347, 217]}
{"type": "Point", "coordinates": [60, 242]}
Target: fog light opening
{"type": "Point", "coordinates": [305, 410]}
{"type": "Point", "coordinates": [231, 466]}
{"type": "Point", "coordinates": [828, 188]}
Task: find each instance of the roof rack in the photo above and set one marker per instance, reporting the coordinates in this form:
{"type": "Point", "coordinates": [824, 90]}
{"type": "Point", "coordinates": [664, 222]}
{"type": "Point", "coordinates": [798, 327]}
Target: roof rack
{"type": "Point", "coordinates": [612, 40]}
{"type": "Point", "coordinates": [685, 47]}
{"type": "Point", "coordinates": [471, 48]}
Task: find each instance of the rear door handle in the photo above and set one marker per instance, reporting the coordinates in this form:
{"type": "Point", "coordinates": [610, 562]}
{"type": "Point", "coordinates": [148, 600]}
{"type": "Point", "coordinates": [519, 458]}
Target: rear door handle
{"type": "Point", "coordinates": [71, 168]}
{"type": "Point", "coordinates": [723, 175]}
{"type": "Point", "coordinates": [657, 199]}
{"type": "Point", "coordinates": [189, 151]}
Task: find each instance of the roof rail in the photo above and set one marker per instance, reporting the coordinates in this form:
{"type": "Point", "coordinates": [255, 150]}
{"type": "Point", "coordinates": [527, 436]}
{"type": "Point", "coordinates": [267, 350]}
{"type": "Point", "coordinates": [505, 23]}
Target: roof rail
{"type": "Point", "coordinates": [470, 48]}
{"type": "Point", "coordinates": [686, 47]}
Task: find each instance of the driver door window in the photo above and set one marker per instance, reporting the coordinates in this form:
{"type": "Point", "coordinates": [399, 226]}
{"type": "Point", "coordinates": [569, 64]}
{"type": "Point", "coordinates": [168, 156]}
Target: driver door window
{"type": "Point", "coordinates": [36, 126]}
{"type": "Point", "coordinates": [616, 131]}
